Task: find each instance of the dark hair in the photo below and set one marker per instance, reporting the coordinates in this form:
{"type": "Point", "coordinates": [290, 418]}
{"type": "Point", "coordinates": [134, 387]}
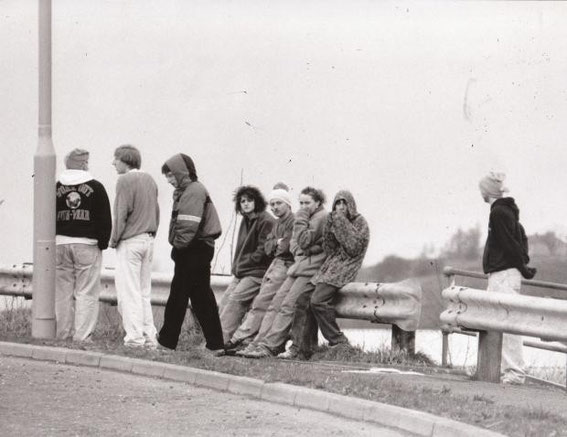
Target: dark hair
{"type": "Point", "coordinates": [253, 193]}
{"type": "Point", "coordinates": [316, 194]}
{"type": "Point", "coordinates": [129, 155]}
{"type": "Point", "coordinates": [188, 163]}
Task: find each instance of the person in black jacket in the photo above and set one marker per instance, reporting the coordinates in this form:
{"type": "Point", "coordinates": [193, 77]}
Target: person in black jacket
{"type": "Point", "coordinates": [505, 260]}
{"type": "Point", "coordinates": [250, 259]}
{"type": "Point", "coordinates": [83, 225]}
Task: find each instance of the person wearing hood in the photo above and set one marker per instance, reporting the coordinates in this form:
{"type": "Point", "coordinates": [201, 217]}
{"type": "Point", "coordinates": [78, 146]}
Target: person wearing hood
{"type": "Point", "coordinates": [136, 221]}
{"type": "Point", "coordinates": [193, 229]}
{"type": "Point", "coordinates": [250, 259]}
{"type": "Point", "coordinates": [83, 225]}
{"type": "Point", "coordinates": [345, 240]}
{"type": "Point", "coordinates": [505, 260]}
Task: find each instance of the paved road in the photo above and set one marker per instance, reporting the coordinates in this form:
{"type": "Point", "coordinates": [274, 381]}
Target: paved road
{"type": "Point", "coordinates": [48, 399]}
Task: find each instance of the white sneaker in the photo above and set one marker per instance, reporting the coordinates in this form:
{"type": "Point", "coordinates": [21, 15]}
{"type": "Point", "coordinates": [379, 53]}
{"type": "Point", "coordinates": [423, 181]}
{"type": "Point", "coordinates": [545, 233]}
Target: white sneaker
{"type": "Point", "coordinates": [290, 354]}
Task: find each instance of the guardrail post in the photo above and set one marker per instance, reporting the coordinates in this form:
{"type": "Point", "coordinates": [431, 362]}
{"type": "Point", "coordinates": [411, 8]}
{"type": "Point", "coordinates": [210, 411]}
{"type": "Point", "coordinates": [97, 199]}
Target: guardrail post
{"type": "Point", "coordinates": [489, 356]}
{"type": "Point", "coordinates": [445, 349]}
{"type": "Point", "coordinates": [403, 340]}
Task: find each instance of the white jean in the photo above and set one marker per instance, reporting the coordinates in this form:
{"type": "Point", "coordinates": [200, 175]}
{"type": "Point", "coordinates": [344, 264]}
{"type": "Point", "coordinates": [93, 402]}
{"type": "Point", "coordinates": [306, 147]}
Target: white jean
{"type": "Point", "coordinates": [510, 281]}
{"type": "Point", "coordinates": [133, 288]}
{"type": "Point", "coordinates": [78, 289]}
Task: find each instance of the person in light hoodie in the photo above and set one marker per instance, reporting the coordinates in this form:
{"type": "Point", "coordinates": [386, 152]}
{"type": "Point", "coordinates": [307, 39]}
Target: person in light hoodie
{"type": "Point", "coordinates": [83, 225]}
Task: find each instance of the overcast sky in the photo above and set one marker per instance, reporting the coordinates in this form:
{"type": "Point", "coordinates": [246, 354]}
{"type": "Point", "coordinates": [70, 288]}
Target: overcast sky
{"type": "Point", "coordinates": [405, 104]}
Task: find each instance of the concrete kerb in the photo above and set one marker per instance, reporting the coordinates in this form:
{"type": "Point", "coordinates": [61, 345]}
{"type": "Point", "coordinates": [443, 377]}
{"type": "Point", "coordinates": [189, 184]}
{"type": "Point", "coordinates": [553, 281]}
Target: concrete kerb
{"type": "Point", "coordinates": [404, 419]}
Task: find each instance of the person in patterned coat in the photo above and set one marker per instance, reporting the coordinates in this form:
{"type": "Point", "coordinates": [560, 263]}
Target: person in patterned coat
{"type": "Point", "coordinates": [345, 240]}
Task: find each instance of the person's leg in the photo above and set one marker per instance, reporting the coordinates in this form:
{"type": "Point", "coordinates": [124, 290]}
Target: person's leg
{"type": "Point", "coordinates": [203, 299]}
{"type": "Point", "coordinates": [148, 326]}
{"type": "Point", "coordinates": [304, 327]}
{"type": "Point", "coordinates": [510, 281]}
{"type": "Point", "coordinates": [227, 293]}
{"type": "Point", "coordinates": [176, 305]}
{"type": "Point", "coordinates": [65, 285]}
{"type": "Point", "coordinates": [272, 281]}
{"type": "Point", "coordinates": [237, 304]}
{"type": "Point", "coordinates": [128, 289]}
{"type": "Point", "coordinates": [324, 312]}
{"type": "Point", "coordinates": [276, 338]}
{"type": "Point", "coordinates": [88, 264]}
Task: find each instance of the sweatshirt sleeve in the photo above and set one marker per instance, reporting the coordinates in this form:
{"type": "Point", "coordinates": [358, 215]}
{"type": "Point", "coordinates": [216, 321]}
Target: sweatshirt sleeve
{"type": "Point", "coordinates": [330, 244]}
{"type": "Point", "coordinates": [265, 227]}
{"type": "Point", "coordinates": [103, 218]}
{"type": "Point", "coordinates": [307, 236]}
{"type": "Point", "coordinates": [353, 237]}
{"type": "Point", "coordinates": [123, 204]}
{"type": "Point", "coordinates": [189, 215]}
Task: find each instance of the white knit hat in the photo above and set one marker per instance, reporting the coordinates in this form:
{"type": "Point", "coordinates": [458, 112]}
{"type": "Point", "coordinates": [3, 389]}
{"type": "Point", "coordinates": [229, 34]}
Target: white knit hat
{"type": "Point", "coordinates": [280, 194]}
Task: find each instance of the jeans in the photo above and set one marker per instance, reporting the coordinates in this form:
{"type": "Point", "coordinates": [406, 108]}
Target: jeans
{"type": "Point", "coordinates": [235, 302]}
{"type": "Point", "coordinates": [78, 288]}
{"type": "Point", "coordinates": [279, 331]}
{"type": "Point", "coordinates": [509, 281]}
{"type": "Point", "coordinates": [272, 281]}
{"type": "Point", "coordinates": [133, 288]}
{"type": "Point", "coordinates": [192, 280]}
{"type": "Point", "coordinates": [324, 311]}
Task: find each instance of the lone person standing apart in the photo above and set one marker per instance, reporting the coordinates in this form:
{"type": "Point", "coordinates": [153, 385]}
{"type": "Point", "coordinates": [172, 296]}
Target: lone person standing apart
{"type": "Point", "coordinates": [505, 260]}
{"type": "Point", "coordinates": [193, 229]}
{"type": "Point", "coordinates": [83, 225]}
{"type": "Point", "coordinates": [136, 220]}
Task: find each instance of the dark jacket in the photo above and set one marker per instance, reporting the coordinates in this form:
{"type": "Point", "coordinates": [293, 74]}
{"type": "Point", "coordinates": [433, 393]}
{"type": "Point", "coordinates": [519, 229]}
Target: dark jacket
{"type": "Point", "coordinates": [193, 216]}
{"type": "Point", "coordinates": [83, 210]}
{"type": "Point", "coordinates": [506, 245]}
{"type": "Point", "coordinates": [345, 240]}
{"type": "Point", "coordinates": [250, 258]}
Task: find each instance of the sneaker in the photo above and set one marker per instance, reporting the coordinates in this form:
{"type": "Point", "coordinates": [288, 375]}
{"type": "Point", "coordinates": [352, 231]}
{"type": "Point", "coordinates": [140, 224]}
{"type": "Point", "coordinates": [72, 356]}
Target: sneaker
{"type": "Point", "coordinates": [231, 348]}
{"type": "Point", "coordinates": [131, 344]}
{"type": "Point", "coordinates": [290, 354]}
{"type": "Point", "coordinates": [260, 352]}
{"type": "Point", "coordinates": [246, 350]}
{"type": "Point", "coordinates": [511, 379]}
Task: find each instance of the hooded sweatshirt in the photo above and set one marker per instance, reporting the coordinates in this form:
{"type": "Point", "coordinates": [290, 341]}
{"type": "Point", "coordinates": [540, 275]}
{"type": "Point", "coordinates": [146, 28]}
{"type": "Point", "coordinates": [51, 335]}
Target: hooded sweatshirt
{"type": "Point", "coordinates": [345, 240]}
{"type": "Point", "coordinates": [506, 245]}
{"type": "Point", "coordinates": [193, 216]}
{"type": "Point", "coordinates": [82, 210]}
{"type": "Point", "coordinates": [306, 243]}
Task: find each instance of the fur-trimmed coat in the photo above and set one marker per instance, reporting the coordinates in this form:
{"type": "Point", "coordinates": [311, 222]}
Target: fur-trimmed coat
{"type": "Point", "coordinates": [345, 240]}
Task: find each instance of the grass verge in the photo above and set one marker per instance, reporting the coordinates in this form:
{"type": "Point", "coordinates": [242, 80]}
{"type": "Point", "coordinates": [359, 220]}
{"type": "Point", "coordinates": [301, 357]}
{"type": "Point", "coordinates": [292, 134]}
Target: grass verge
{"type": "Point", "coordinates": [326, 371]}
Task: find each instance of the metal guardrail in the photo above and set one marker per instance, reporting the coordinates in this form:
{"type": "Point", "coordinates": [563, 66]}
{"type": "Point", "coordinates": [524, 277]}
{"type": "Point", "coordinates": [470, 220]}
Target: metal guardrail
{"type": "Point", "coordinates": [491, 312]}
{"type": "Point", "coordinates": [392, 303]}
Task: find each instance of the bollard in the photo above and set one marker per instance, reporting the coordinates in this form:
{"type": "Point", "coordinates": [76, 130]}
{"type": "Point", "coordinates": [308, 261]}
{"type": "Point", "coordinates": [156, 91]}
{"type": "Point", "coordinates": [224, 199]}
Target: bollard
{"type": "Point", "coordinates": [489, 356]}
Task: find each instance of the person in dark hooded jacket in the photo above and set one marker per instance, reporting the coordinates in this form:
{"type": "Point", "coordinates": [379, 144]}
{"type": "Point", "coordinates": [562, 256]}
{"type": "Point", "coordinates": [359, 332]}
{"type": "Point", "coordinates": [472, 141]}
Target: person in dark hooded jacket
{"type": "Point", "coordinates": [193, 228]}
{"type": "Point", "coordinates": [250, 259]}
{"type": "Point", "coordinates": [345, 240]}
{"type": "Point", "coordinates": [505, 259]}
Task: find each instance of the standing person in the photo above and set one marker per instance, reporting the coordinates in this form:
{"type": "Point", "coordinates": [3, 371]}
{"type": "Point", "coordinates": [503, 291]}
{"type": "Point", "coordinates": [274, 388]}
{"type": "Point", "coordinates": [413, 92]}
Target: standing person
{"type": "Point", "coordinates": [505, 260]}
{"type": "Point", "coordinates": [250, 259]}
{"type": "Point", "coordinates": [83, 224]}
{"type": "Point", "coordinates": [277, 246]}
{"type": "Point", "coordinates": [193, 229]}
{"type": "Point", "coordinates": [307, 248]}
{"type": "Point", "coordinates": [345, 240]}
{"type": "Point", "coordinates": [136, 221]}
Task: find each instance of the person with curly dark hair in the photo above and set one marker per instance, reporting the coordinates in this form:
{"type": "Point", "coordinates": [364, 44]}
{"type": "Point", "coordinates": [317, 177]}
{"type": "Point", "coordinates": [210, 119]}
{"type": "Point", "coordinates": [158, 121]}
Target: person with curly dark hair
{"type": "Point", "coordinates": [250, 260]}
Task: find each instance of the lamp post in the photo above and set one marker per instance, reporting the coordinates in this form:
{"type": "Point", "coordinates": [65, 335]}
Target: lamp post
{"type": "Point", "coordinates": [43, 283]}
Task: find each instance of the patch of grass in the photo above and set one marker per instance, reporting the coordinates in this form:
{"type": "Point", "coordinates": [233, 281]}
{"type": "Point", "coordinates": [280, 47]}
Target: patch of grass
{"type": "Point", "coordinates": [443, 400]}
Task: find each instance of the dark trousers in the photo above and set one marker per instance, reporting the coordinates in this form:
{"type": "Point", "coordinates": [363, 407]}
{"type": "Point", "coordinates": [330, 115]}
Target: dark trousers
{"type": "Point", "coordinates": [192, 280]}
{"type": "Point", "coordinates": [324, 312]}
{"type": "Point", "coordinates": [304, 327]}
